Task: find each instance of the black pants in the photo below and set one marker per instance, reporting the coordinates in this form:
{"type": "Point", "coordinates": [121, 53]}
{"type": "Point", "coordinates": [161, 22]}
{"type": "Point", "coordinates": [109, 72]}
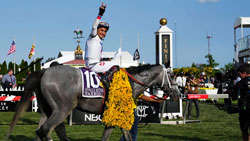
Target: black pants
{"type": "Point", "coordinates": [244, 119]}
{"type": "Point", "coordinates": [6, 86]}
{"type": "Point", "coordinates": [182, 89]}
{"type": "Point", "coordinates": [196, 103]}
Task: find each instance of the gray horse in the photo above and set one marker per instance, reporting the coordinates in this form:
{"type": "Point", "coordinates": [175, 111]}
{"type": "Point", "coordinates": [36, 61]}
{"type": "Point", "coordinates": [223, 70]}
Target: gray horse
{"type": "Point", "coordinates": [58, 91]}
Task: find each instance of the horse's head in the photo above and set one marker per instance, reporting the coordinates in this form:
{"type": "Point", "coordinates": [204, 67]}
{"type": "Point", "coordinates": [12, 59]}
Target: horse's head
{"type": "Point", "coordinates": [147, 76]}
{"type": "Point", "coordinates": [167, 83]}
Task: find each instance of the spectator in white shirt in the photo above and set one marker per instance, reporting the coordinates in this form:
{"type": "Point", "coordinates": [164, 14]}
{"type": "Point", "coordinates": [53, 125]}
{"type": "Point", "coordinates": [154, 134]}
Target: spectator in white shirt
{"type": "Point", "coordinates": [181, 82]}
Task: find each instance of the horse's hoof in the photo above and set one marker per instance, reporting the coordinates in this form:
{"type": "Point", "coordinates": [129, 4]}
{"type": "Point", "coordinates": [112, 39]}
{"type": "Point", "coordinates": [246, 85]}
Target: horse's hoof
{"type": "Point", "coordinates": [40, 134]}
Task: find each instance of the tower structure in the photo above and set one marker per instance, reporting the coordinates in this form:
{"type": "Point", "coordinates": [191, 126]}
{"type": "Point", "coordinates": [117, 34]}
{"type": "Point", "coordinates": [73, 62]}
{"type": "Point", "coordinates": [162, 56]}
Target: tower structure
{"type": "Point", "coordinates": [208, 40]}
{"type": "Point", "coordinates": [169, 108]}
{"type": "Point", "coordinates": [164, 44]}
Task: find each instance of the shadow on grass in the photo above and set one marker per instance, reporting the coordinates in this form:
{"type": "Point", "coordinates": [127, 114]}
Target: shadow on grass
{"type": "Point", "coordinates": [85, 139]}
{"type": "Point", "coordinates": [24, 138]}
{"type": "Point", "coordinates": [175, 137]}
{"type": "Point", "coordinates": [20, 138]}
{"type": "Point", "coordinates": [25, 121]}
{"type": "Point", "coordinates": [28, 121]}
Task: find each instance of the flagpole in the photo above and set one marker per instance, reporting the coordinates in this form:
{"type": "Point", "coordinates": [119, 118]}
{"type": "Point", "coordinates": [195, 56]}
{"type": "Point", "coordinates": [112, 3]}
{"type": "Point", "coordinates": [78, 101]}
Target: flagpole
{"type": "Point", "coordinates": [14, 58]}
{"type": "Point", "coordinates": [176, 62]}
{"type": "Point", "coordinates": [14, 63]}
{"type": "Point", "coordinates": [34, 56]}
{"type": "Point", "coordinates": [121, 51]}
{"type": "Point", "coordinates": [138, 45]}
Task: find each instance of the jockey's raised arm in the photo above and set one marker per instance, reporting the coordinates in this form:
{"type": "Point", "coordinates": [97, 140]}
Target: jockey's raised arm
{"type": "Point", "coordinates": [97, 21]}
{"type": "Point", "coordinates": [94, 44]}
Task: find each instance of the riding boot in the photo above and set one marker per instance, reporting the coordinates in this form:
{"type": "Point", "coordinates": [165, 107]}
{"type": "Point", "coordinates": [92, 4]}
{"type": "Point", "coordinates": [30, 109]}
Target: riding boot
{"type": "Point", "coordinates": [105, 79]}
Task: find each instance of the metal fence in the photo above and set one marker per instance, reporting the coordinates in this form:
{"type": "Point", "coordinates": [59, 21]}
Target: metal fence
{"type": "Point", "coordinates": [243, 43]}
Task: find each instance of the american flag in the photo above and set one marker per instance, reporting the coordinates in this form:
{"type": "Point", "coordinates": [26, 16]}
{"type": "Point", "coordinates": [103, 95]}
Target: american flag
{"type": "Point", "coordinates": [12, 48]}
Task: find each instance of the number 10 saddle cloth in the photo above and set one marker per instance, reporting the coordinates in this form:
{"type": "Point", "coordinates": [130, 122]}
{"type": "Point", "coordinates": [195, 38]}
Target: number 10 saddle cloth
{"type": "Point", "coordinates": [91, 84]}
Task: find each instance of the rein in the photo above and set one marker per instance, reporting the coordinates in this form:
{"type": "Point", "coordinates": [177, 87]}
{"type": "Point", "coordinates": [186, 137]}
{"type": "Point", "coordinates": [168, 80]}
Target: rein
{"type": "Point", "coordinates": [165, 70]}
{"type": "Point", "coordinates": [138, 82]}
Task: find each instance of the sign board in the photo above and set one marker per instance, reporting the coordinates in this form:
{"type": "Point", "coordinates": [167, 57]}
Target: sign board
{"type": "Point", "coordinates": [166, 50]}
{"type": "Point", "coordinates": [147, 113]}
{"type": "Point", "coordinates": [7, 106]}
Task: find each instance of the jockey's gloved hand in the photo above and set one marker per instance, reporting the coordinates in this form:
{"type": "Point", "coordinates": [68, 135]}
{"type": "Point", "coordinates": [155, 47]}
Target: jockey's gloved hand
{"type": "Point", "coordinates": [102, 9]}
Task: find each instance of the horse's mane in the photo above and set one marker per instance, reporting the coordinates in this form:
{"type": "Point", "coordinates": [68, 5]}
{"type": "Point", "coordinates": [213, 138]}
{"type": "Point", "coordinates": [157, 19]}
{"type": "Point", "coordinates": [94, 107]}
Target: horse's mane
{"type": "Point", "coordinates": [139, 69]}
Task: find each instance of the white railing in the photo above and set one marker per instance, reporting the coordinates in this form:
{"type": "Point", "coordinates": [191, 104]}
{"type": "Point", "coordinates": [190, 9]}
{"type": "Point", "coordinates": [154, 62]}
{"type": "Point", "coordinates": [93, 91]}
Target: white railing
{"type": "Point", "coordinates": [243, 43]}
{"type": "Point", "coordinates": [19, 88]}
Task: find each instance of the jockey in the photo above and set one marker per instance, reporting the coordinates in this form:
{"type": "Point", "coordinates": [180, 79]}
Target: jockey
{"type": "Point", "coordinates": [94, 48]}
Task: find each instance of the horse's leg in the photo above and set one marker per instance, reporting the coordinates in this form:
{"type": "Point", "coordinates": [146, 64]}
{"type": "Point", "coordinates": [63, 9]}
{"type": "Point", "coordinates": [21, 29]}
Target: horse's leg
{"type": "Point", "coordinates": [107, 132]}
{"type": "Point", "coordinates": [126, 134]}
{"type": "Point", "coordinates": [56, 118]}
{"type": "Point", "coordinates": [42, 120]}
{"type": "Point", "coordinates": [60, 129]}
{"type": "Point", "coordinates": [61, 132]}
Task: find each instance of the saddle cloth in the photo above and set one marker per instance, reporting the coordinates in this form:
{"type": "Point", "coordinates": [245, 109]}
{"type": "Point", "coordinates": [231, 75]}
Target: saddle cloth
{"type": "Point", "coordinates": [91, 84]}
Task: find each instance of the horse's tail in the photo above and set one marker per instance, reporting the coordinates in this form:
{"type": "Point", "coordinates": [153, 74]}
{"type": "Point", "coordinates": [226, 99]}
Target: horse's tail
{"type": "Point", "coordinates": [32, 85]}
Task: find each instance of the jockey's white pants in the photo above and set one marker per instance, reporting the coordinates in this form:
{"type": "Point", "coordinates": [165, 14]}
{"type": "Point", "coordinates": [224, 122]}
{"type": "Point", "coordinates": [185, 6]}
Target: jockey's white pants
{"type": "Point", "coordinates": [103, 66]}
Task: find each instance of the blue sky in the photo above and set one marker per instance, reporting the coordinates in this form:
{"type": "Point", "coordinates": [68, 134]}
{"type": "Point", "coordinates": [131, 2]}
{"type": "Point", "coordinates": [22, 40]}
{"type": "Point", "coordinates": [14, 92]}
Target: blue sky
{"type": "Point", "coordinates": [53, 22]}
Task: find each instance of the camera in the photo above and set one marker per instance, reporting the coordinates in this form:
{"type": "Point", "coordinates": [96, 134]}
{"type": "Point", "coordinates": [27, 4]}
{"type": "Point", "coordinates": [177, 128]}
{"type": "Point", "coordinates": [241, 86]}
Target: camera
{"type": "Point", "coordinates": [225, 84]}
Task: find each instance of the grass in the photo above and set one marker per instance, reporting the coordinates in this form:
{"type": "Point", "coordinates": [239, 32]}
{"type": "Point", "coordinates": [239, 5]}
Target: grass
{"type": "Point", "coordinates": [216, 125]}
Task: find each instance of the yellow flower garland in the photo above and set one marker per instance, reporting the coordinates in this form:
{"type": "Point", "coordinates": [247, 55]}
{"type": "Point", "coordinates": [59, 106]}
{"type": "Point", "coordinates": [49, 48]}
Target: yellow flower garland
{"type": "Point", "coordinates": [120, 104]}
{"type": "Point", "coordinates": [204, 88]}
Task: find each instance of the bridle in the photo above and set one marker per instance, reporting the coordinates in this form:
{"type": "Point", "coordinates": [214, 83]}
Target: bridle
{"type": "Point", "coordinates": [165, 73]}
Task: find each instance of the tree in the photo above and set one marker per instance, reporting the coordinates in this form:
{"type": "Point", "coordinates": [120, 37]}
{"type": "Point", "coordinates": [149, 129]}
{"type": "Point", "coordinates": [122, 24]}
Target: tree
{"type": "Point", "coordinates": [24, 70]}
{"type": "Point", "coordinates": [211, 61]}
{"type": "Point", "coordinates": [10, 66]}
{"type": "Point", "coordinates": [193, 65]}
{"type": "Point", "coordinates": [4, 68]}
{"type": "Point", "coordinates": [37, 65]}
{"type": "Point", "coordinates": [228, 66]}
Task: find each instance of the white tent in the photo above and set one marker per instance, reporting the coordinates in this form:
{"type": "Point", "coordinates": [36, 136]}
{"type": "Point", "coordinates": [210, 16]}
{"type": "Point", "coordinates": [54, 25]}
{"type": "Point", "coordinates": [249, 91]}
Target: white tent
{"type": "Point", "coordinates": [242, 22]}
{"type": "Point", "coordinates": [125, 61]}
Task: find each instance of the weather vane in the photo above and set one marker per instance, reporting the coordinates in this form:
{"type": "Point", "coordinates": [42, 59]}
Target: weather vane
{"type": "Point", "coordinates": [78, 33]}
{"type": "Point", "coordinates": [78, 51]}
